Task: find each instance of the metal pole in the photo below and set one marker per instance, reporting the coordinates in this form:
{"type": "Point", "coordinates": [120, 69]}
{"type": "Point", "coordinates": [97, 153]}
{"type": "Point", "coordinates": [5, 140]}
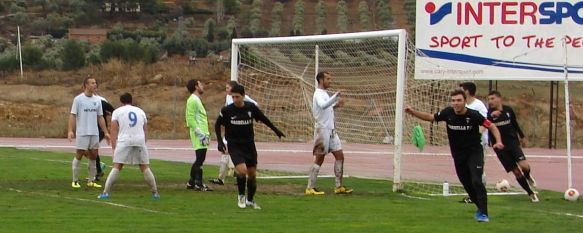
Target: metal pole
{"type": "Point", "coordinates": [174, 108]}
{"type": "Point", "coordinates": [568, 120]}
{"type": "Point", "coordinates": [20, 53]}
{"type": "Point", "coordinates": [551, 103]}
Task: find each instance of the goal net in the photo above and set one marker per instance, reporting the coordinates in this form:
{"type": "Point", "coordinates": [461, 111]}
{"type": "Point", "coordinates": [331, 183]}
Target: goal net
{"type": "Point", "coordinates": [374, 71]}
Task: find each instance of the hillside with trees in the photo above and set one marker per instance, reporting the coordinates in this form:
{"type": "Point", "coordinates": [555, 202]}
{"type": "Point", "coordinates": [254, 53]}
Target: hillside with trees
{"type": "Point", "coordinates": [149, 30]}
{"type": "Point", "coordinates": [151, 47]}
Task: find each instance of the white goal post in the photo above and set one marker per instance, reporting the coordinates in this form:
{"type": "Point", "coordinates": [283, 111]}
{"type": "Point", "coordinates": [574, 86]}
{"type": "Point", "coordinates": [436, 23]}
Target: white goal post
{"type": "Point", "coordinates": [401, 34]}
{"type": "Point", "coordinates": [372, 69]}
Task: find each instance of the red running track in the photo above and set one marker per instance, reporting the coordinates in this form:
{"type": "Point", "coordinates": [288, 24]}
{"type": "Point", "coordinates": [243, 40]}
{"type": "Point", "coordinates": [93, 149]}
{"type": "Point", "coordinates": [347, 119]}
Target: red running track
{"type": "Point", "coordinates": [549, 167]}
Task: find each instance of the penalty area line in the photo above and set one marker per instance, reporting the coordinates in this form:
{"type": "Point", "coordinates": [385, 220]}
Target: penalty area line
{"type": "Point", "coordinates": [90, 201]}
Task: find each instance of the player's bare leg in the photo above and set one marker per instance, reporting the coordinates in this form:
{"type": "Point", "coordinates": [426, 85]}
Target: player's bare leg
{"type": "Point", "coordinates": [524, 184]}
{"type": "Point", "coordinates": [525, 167]}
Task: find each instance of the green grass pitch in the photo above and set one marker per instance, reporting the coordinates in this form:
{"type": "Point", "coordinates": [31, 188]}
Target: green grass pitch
{"type": "Point", "coordinates": [36, 196]}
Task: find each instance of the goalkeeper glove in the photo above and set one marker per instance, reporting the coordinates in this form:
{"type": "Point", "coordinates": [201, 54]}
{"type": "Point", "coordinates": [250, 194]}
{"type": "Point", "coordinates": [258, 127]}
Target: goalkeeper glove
{"type": "Point", "coordinates": [205, 140]}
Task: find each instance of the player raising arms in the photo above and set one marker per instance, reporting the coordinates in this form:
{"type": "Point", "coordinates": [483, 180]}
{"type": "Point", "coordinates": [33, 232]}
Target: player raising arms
{"type": "Point", "coordinates": [465, 146]}
{"type": "Point", "coordinates": [511, 157]}
{"type": "Point", "coordinates": [226, 161]}
{"type": "Point", "coordinates": [237, 118]}
{"type": "Point", "coordinates": [326, 139]}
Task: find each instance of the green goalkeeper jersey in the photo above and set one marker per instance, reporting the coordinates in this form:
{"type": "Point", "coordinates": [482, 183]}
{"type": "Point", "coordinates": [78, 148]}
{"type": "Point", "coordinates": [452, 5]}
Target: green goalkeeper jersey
{"type": "Point", "coordinates": [195, 115]}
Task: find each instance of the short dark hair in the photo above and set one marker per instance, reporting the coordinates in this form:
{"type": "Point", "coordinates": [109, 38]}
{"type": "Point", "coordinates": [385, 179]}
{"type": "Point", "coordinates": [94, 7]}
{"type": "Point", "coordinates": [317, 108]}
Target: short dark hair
{"type": "Point", "coordinates": [470, 87]}
{"type": "Point", "coordinates": [125, 98]}
{"type": "Point", "coordinates": [238, 89]}
{"type": "Point", "coordinates": [233, 83]}
{"type": "Point", "coordinates": [458, 92]}
{"type": "Point", "coordinates": [495, 92]}
{"type": "Point", "coordinates": [321, 75]}
{"type": "Point", "coordinates": [191, 85]}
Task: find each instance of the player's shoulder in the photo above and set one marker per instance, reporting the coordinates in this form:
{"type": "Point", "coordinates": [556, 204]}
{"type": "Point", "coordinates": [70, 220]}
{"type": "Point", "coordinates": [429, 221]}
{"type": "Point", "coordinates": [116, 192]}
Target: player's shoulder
{"type": "Point", "coordinates": [507, 108]}
{"type": "Point", "coordinates": [447, 110]}
{"type": "Point", "coordinates": [250, 104]}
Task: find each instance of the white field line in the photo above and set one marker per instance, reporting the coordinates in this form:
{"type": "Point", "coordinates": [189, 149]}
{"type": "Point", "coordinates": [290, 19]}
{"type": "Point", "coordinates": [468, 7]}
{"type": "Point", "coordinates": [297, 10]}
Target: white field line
{"type": "Point", "coordinates": [415, 197]}
{"type": "Point", "coordinates": [568, 214]}
{"type": "Point", "coordinates": [90, 201]}
{"type": "Point", "coordinates": [69, 162]}
{"type": "Point", "coordinates": [293, 151]}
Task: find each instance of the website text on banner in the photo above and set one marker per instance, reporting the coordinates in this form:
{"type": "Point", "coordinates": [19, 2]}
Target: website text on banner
{"type": "Point", "coordinates": [499, 40]}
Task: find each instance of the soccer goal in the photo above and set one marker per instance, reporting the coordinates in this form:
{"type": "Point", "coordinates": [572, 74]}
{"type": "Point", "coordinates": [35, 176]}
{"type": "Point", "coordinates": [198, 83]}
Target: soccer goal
{"type": "Point", "coordinates": [374, 71]}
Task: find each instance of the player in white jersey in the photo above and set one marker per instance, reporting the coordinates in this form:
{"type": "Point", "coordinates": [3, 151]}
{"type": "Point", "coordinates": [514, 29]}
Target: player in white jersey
{"type": "Point", "coordinates": [86, 113]}
{"type": "Point", "coordinates": [129, 135]}
{"type": "Point", "coordinates": [472, 102]}
{"type": "Point", "coordinates": [226, 161]}
{"type": "Point", "coordinates": [326, 139]}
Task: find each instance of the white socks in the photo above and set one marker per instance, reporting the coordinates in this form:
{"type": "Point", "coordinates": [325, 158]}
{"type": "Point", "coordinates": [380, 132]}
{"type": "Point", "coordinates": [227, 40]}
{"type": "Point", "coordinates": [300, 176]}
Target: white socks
{"type": "Point", "coordinates": [149, 177]}
{"type": "Point", "coordinates": [314, 170]}
{"type": "Point", "coordinates": [223, 163]}
{"type": "Point", "coordinates": [92, 170]}
{"type": "Point", "coordinates": [111, 179]}
{"type": "Point", "coordinates": [75, 167]}
{"type": "Point", "coordinates": [338, 171]}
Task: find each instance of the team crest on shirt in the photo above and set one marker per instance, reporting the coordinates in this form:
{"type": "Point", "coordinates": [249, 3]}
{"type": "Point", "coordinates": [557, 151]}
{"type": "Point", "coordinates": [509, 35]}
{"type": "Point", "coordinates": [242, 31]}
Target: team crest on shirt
{"type": "Point", "coordinates": [508, 114]}
{"type": "Point", "coordinates": [467, 120]}
{"type": "Point", "coordinates": [249, 113]}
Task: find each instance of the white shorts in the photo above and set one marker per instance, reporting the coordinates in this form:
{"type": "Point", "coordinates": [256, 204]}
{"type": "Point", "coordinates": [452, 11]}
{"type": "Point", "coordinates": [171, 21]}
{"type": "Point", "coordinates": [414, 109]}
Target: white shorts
{"type": "Point", "coordinates": [87, 142]}
{"type": "Point", "coordinates": [326, 141]}
{"type": "Point", "coordinates": [125, 154]}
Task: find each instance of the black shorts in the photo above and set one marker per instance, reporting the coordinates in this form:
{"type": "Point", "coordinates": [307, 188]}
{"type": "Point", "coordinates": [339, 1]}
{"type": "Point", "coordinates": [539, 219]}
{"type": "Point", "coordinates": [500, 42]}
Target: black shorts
{"type": "Point", "coordinates": [509, 156]}
{"type": "Point", "coordinates": [243, 152]}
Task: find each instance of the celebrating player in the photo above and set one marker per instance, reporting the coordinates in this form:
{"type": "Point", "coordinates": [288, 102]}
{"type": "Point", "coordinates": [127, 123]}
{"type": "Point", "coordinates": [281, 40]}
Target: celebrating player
{"type": "Point", "coordinates": [237, 118]}
{"type": "Point", "coordinates": [465, 145]}
{"type": "Point", "coordinates": [129, 135]}
{"type": "Point", "coordinates": [326, 139]}
{"type": "Point", "coordinates": [511, 157]}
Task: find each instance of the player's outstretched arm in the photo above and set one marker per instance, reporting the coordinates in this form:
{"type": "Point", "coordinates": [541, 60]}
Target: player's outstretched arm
{"type": "Point", "coordinates": [258, 115]}
{"type": "Point", "coordinates": [421, 115]}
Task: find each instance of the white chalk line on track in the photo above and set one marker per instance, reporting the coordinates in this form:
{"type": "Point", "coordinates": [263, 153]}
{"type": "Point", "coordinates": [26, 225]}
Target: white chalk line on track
{"type": "Point", "coordinates": [90, 201]}
{"type": "Point", "coordinates": [292, 151]}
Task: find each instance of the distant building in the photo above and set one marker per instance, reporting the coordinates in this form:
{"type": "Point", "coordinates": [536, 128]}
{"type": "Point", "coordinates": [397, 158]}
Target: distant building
{"type": "Point", "coordinates": [92, 35]}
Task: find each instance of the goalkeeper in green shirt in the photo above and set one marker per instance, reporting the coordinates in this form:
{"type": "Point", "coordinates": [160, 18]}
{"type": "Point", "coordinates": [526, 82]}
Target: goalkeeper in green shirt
{"type": "Point", "coordinates": [197, 123]}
